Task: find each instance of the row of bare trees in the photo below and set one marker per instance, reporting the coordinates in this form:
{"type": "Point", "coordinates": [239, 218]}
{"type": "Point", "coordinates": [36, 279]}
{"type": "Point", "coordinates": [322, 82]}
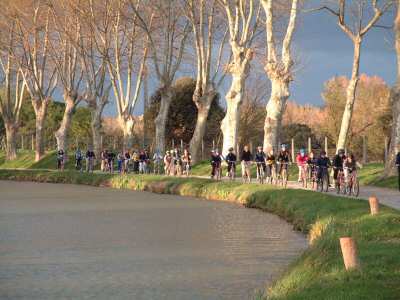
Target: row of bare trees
{"type": "Point", "coordinates": [93, 51]}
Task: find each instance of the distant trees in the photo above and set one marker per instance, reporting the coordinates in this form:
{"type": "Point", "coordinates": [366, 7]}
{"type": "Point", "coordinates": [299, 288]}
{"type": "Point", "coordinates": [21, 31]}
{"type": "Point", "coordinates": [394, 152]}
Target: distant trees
{"type": "Point", "coordinates": [355, 27]}
{"type": "Point", "coordinates": [183, 114]}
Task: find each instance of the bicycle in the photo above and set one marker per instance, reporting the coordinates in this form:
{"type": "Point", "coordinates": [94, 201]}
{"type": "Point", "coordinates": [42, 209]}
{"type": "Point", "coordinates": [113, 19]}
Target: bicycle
{"type": "Point", "coordinates": [352, 186]}
{"type": "Point", "coordinates": [232, 170]}
{"type": "Point", "coordinates": [283, 174]}
{"type": "Point", "coordinates": [340, 183]}
{"type": "Point", "coordinates": [260, 172]}
{"type": "Point", "coordinates": [271, 177]}
{"type": "Point", "coordinates": [313, 176]}
{"type": "Point", "coordinates": [186, 169]}
{"type": "Point", "coordinates": [246, 175]}
{"type": "Point", "coordinates": [323, 181]}
{"type": "Point", "coordinates": [303, 175]}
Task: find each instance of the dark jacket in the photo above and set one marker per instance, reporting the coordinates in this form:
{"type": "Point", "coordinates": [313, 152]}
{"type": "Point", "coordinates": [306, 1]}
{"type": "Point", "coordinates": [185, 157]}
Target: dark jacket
{"type": "Point", "coordinates": [246, 156]}
{"type": "Point", "coordinates": [323, 162]}
{"type": "Point", "coordinates": [260, 157]}
{"type": "Point", "coordinates": [398, 159]}
{"type": "Point", "coordinates": [338, 161]}
{"type": "Point", "coordinates": [216, 159]}
{"type": "Point", "coordinates": [230, 157]}
{"type": "Point", "coordinates": [284, 157]}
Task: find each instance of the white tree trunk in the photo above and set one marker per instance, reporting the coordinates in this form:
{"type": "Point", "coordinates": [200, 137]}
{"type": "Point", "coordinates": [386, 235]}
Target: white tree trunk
{"type": "Point", "coordinates": [161, 119]}
{"type": "Point", "coordinates": [127, 124]}
{"type": "Point", "coordinates": [394, 147]}
{"type": "Point", "coordinates": [62, 133]}
{"type": "Point", "coordinates": [95, 125]}
{"type": "Point", "coordinates": [350, 97]}
{"type": "Point", "coordinates": [275, 109]}
{"type": "Point", "coordinates": [11, 140]}
{"type": "Point", "coordinates": [40, 108]}
{"type": "Point", "coordinates": [203, 109]}
{"type": "Point", "coordinates": [230, 123]}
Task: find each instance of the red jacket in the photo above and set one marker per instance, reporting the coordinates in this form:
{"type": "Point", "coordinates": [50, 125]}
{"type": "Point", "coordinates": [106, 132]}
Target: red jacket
{"type": "Point", "coordinates": [301, 160]}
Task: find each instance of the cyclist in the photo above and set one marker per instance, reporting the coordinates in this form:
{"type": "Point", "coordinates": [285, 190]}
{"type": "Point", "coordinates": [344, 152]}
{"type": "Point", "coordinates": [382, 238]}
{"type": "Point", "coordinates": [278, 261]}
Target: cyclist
{"type": "Point", "coordinates": [270, 164]}
{"type": "Point", "coordinates": [78, 160]}
{"type": "Point", "coordinates": [127, 159]}
{"type": "Point", "coordinates": [103, 157]}
{"type": "Point", "coordinates": [398, 166]}
{"type": "Point", "coordinates": [338, 163]}
{"type": "Point", "coordinates": [135, 158]}
{"type": "Point", "coordinates": [178, 162]}
{"type": "Point", "coordinates": [349, 166]}
{"type": "Point", "coordinates": [142, 162]}
{"type": "Point", "coordinates": [323, 163]}
{"type": "Point", "coordinates": [187, 161]}
{"type": "Point", "coordinates": [283, 159]}
{"type": "Point", "coordinates": [90, 157]}
{"type": "Point", "coordinates": [311, 165]}
{"type": "Point", "coordinates": [157, 159]}
{"type": "Point", "coordinates": [60, 159]}
{"type": "Point", "coordinates": [120, 161]}
{"type": "Point", "coordinates": [301, 160]}
{"type": "Point", "coordinates": [110, 161]}
{"type": "Point", "coordinates": [167, 163]}
{"type": "Point", "coordinates": [245, 160]}
{"type": "Point", "coordinates": [260, 159]}
{"type": "Point", "coordinates": [215, 162]}
{"type": "Point", "coordinates": [231, 161]}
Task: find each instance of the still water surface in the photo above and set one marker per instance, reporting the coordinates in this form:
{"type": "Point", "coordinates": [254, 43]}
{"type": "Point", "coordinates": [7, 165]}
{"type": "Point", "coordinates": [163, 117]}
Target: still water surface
{"type": "Point", "coordinates": [78, 242]}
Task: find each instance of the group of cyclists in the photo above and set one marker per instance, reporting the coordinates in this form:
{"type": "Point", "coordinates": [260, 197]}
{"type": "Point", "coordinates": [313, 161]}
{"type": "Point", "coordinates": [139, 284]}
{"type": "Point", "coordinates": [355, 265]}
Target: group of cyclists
{"type": "Point", "coordinates": [313, 171]}
{"type": "Point", "coordinates": [273, 168]}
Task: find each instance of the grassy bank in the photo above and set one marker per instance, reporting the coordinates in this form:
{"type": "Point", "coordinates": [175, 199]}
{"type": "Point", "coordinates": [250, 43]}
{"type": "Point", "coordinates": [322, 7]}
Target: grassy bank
{"type": "Point", "coordinates": [319, 272]}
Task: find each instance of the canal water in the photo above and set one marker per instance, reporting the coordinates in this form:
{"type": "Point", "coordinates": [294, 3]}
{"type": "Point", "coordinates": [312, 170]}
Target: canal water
{"type": "Point", "coordinates": [79, 242]}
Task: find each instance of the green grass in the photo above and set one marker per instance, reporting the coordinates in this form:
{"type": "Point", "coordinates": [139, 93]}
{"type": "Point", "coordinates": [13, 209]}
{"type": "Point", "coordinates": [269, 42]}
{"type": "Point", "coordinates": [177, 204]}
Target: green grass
{"type": "Point", "coordinates": [319, 272]}
{"type": "Point", "coordinates": [371, 174]}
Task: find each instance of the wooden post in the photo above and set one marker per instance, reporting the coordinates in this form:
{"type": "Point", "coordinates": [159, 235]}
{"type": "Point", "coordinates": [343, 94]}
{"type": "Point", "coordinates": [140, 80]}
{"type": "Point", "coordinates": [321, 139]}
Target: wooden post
{"type": "Point", "coordinates": [326, 146]}
{"type": "Point", "coordinates": [181, 145]}
{"type": "Point", "coordinates": [309, 145]}
{"type": "Point", "coordinates": [33, 142]}
{"type": "Point", "coordinates": [365, 150]}
{"type": "Point", "coordinates": [173, 144]}
{"type": "Point", "coordinates": [293, 155]}
{"type": "Point", "coordinates": [374, 205]}
{"type": "Point", "coordinates": [213, 145]}
{"type": "Point", "coordinates": [237, 150]}
{"type": "Point", "coordinates": [349, 252]}
{"type": "Point", "coordinates": [22, 142]}
{"type": "Point", "coordinates": [251, 147]}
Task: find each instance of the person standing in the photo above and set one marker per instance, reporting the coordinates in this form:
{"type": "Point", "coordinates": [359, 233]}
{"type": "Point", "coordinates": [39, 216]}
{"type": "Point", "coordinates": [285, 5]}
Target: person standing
{"type": "Point", "coordinates": [60, 160]}
{"type": "Point", "coordinates": [398, 166]}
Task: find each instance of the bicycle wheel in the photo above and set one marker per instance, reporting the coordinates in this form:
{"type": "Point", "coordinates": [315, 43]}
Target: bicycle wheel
{"type": "Point", "coordinates": [355, 188]}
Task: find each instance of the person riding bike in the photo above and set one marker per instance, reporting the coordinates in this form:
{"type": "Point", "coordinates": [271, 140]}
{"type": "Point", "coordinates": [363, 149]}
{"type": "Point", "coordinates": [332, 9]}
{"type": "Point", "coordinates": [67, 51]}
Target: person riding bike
{"type": "Point", "coordinates": [338, 163]}
{"type": "Point", "coordinates": [216, 161]}
{"type": "Point", "coordinates": [245, 160]}
{"type": "Point", "coordinates": [301, 160]}
{"type": "Point", "coordinates": [78, 159]}
{"type": "Point", "coordinates": [311, 164]}
{"type": "Point", "coordinates": [283, 159]}
{"type": "Point", "coordinates": [231, 160]}
{"type": "Point", "coordinates": [259, 158]}
{"type": "Point", "coordinates": [90, 157]}
{"type": "Point", "coordinates": [270, 163]}
{"type": "Point", "coordinates": [167, 163]}
{"type": "Point", "coordinates": [187, 161]}
{"type": "Point", "coordinates": [349, 167]}
{"type": "Point", "coordinates": [323, 163]}
{"type": "Point", "coordinates": [60, 159]}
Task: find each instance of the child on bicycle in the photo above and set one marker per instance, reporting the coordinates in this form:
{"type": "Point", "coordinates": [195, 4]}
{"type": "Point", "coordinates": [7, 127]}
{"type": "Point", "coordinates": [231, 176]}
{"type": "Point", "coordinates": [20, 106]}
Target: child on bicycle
{"type": "Point", "coordinates": [338, 163]}
{"type": "Point", "coordinates": [311, 165]}
{"type": "Point", "coordinates": [246, 159]}
{"type": "Point", "coordinates": [215, 163]}
{"type": "Point", "coordinates": [231, 161]}
{"type": "Point", "coordinates": [260, 159]}
{"type": "Point", "coordinates": [301, 160]}
{"type": "Point", "coordinates": [323, 164]}
{"type": "Point", "coordinates": [270, 163]}
{"type": "Point", "coordinates": [283, 159]}
{"type": "Point", "coordinates": [60, 159]}
{"type": "Point", "coordinates": [349, 167]}
{"type": "Point", "coordinates": [187, 161]}
{"type": "Point", "coordinates": [78, 159]}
